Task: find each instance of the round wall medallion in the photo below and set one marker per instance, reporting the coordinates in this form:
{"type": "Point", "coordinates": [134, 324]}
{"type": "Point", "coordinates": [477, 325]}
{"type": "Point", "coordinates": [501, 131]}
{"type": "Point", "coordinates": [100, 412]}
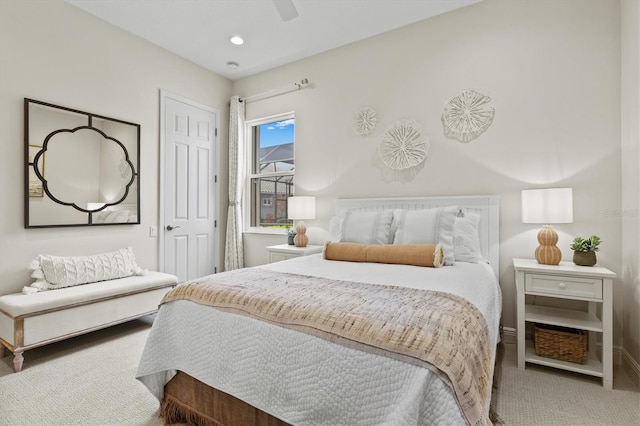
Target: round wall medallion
{"type": "Point", "coordinates": [467, 115]}
{"type": "Point", "coordinates": [402, 151]}
{"type": "Point", "coordinates": [403, 145]}
{"type": "Point", "coordinates": [364, 121]}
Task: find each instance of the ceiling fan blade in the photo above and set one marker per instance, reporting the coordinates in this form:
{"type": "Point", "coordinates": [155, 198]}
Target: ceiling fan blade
{"type": "Point", "coordinates": [286, 9]}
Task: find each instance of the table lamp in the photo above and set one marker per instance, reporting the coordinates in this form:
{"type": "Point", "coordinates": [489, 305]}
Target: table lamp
{"type": "Point", "coordinates": [547, 206]}
{"type": "Point", "coordinates": [301, 208]}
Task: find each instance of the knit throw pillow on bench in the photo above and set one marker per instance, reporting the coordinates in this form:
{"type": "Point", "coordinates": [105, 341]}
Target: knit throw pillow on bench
{"type": "Point", "coordinates": [52, 272]}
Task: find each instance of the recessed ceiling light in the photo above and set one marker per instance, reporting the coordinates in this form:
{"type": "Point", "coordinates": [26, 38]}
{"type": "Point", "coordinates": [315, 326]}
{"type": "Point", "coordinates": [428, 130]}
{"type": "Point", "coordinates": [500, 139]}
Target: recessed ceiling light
{"type": "Point", "coordinates": [237, 40]}
{"type": "Point", "coordinates": [232, 64]}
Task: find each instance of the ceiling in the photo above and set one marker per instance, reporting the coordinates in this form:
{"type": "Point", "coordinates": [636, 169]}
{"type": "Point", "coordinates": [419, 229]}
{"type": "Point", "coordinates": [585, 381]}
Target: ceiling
{"type": "Point", "coordinates": [199, 30]}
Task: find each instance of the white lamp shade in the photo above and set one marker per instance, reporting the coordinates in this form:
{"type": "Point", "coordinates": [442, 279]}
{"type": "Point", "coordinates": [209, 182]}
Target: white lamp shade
{"type": "Point", "coordinates": [301, 208]}
{"type": "Point", "coordinates": [551, 205]}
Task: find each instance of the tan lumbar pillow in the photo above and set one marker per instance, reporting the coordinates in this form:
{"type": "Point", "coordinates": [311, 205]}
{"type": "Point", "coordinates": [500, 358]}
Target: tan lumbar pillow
{"type": "Point", "coordinates": [405, 254]}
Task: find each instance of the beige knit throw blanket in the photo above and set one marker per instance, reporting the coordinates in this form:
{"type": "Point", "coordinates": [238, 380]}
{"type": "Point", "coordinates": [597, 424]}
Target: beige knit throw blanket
{"type": "Point", "coordinates": [443, 330]}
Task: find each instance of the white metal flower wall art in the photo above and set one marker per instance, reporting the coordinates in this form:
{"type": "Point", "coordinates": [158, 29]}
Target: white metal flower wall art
{"type": "Point", "coordinates": [364, 121]}
{"type": "Point", "coordinates": [402, 151]}
{"type": "Point", "coordinates": [467, 115]}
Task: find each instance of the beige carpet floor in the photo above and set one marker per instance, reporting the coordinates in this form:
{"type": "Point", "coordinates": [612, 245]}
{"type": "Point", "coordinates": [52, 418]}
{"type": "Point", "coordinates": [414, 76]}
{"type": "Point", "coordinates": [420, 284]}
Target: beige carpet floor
{"type": "Point", "coordinates": [90, 380]}
{"type": "Point", "coordinates": [87, 380]}
{"type": "Point", "coordinates": [540, 395]}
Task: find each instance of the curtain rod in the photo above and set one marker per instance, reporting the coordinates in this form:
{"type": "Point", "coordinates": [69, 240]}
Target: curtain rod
{"type": "Point", "coordinates": [275, 92]}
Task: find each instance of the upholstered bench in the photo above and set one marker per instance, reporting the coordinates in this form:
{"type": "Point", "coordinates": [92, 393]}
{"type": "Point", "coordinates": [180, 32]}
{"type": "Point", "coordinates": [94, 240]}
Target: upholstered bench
{"type": "Point", "coordinates": [28, 321]}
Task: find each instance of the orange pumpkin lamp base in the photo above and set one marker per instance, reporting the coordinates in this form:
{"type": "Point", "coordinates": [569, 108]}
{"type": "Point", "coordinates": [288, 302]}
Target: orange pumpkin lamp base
{"type": "Point", "coordinates": [301, 240]}
{"type": "Point", "coordinates": [547, 252]}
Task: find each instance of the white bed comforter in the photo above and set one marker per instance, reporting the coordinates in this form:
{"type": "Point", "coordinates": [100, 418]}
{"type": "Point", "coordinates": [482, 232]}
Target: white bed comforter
{"type": "Point", "coordinates": [306, 380]}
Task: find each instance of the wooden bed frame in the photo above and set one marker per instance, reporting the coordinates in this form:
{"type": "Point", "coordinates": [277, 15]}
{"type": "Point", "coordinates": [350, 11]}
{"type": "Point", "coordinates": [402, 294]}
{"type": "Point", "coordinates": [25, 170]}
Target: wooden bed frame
{"type": "Point", "coordinates": [186, 399]}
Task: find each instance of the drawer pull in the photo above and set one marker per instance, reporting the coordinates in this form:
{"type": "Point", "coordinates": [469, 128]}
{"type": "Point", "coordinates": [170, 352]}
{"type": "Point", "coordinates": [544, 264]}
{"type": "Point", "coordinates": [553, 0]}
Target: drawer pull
{"type": "Point", "coordinates": [562, 285]}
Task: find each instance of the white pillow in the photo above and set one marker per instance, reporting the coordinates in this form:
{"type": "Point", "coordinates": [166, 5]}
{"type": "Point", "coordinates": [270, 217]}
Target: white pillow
{"type": "Point", "coordinates": [334, 228]}
{"type": "Point", "coordinates": [466, 240]}
{"type": "Point", "coordinates": [428, 226]}
{"type": "Point", "coordinates": [366, 227]}
{"type": "Point", "coordinates": [53, 272]}
{"type": "Point", "coordinates": [118, 217]}
{"type": "Point", "coordinates": [111, 216]}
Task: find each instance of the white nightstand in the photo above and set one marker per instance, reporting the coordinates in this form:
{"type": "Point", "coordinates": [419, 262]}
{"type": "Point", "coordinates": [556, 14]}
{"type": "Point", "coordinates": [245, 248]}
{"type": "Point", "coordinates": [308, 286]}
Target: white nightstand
{"type": "Point", "coordinates": [285, 251]}
{"type": "Point", "coordinates": [592, 284]}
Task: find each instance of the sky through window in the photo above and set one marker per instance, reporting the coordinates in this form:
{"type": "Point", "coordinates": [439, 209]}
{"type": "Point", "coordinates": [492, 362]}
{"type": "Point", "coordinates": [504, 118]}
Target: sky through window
{"type": "Point", "coordinates": [276, 133]}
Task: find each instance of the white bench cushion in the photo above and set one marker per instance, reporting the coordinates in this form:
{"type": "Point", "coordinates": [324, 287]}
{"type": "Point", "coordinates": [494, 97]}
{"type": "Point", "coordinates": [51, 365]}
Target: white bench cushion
{"type": "Point", "coordinates": [21, 304]}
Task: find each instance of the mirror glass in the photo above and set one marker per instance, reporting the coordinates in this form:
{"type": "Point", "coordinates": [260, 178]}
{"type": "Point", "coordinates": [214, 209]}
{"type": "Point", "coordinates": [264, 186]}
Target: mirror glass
{"type": "Point", "coordinates": [81, 169]}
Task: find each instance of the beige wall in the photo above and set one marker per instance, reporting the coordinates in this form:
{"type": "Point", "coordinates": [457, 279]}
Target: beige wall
{"type": "Point", "coordinates": [55, 52]}
{"type": "Point", "coordinates": [553, 71]}
{"type": "Point", "coordinates": [630, 212]}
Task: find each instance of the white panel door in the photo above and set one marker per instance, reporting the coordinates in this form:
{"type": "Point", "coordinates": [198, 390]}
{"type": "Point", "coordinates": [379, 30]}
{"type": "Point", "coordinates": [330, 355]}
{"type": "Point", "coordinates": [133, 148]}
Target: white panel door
{"type": "Point", "coordinates": [189, 222]}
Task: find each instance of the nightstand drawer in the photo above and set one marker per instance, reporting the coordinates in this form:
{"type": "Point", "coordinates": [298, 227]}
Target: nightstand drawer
{"type": "Point", "coordinates": [588, 288]}
{"type": "Point", "coordinates": [277, 257]}
{"type": "Point", "coordinates": [285, 251]}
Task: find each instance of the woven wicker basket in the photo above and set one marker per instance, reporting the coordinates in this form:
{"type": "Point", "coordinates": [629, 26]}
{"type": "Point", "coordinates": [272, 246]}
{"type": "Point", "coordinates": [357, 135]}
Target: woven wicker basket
{"type": "Point", "coordinates": [561, 343]}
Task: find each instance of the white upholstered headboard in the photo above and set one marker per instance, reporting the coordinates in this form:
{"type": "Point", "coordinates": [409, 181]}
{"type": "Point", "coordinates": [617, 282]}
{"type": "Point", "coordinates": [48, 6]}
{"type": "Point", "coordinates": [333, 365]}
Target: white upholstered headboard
{"type": "Point", "coordinates": [488, 206]}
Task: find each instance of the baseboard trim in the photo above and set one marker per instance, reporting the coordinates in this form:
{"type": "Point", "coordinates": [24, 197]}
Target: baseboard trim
{"type": "Point", "coordinates": [630, 365]}
{"type": "Point", "coordinates": [509, 335]}
{"type": "Point", "coordinates": [620, 355]}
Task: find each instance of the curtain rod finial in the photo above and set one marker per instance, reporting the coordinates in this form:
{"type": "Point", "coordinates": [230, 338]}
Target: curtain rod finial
{"type": "Point", "coordinates": [303, 83]}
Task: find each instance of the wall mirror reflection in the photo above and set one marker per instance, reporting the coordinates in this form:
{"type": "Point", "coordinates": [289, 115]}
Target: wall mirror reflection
{"type": "Point", "coordinates": [81, 169]}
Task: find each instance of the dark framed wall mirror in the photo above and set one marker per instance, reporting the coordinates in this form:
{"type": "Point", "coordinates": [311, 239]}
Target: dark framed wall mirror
{"type": "Point", "coordinates": [81, 169]}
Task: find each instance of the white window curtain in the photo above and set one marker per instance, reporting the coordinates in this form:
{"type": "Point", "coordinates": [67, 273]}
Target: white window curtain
{"type": "Point", "coordinates": [234, 252]}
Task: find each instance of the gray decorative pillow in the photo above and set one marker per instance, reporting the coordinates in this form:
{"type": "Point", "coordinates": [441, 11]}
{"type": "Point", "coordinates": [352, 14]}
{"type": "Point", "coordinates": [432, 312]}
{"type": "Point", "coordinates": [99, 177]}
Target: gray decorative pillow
{"type": "Point", "coordinates": [372, 227]}
{"type": "Point", "coordinates": [53, 272]}
{"type": "Point", "coordinates": [427, 226]}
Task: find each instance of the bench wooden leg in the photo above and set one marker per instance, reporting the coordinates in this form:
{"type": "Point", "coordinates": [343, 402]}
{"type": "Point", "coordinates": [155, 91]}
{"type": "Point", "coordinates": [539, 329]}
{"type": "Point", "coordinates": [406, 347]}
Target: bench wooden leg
{"type": "Point", "coordinates": [18, 359]}
{"type": "Point", "coordinates": [3, 351]}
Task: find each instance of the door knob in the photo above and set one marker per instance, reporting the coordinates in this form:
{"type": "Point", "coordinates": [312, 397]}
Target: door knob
{"type": "Point", "coordinates": [171, 228]}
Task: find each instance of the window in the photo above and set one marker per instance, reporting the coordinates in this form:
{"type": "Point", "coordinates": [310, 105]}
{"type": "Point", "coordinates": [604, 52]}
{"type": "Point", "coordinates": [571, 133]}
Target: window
{"type": "Point", "coordinates": [270, 143]}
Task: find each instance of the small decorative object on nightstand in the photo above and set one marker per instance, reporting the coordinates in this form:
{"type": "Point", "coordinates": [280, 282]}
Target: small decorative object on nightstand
{"type": "Point", "coordinates": [291, 235]}
{"type": "Point", "coordinates": [567, 281]}
{"type": "Point", "coordinates": [301, 208]}
{"type": "Point", "coordinates": [584, 250]}
{"type": "Point", "coordinates": [547, 206]}
{"type": "Point", "coordinates": [285, 251]}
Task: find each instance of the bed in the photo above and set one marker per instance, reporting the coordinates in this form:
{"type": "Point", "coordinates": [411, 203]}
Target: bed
{"type": "Point", "coordinates": [214, 364]}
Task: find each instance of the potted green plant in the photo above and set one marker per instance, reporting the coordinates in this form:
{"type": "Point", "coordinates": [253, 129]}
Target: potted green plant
{"type": "Point", "coordinates": [584, 250]}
